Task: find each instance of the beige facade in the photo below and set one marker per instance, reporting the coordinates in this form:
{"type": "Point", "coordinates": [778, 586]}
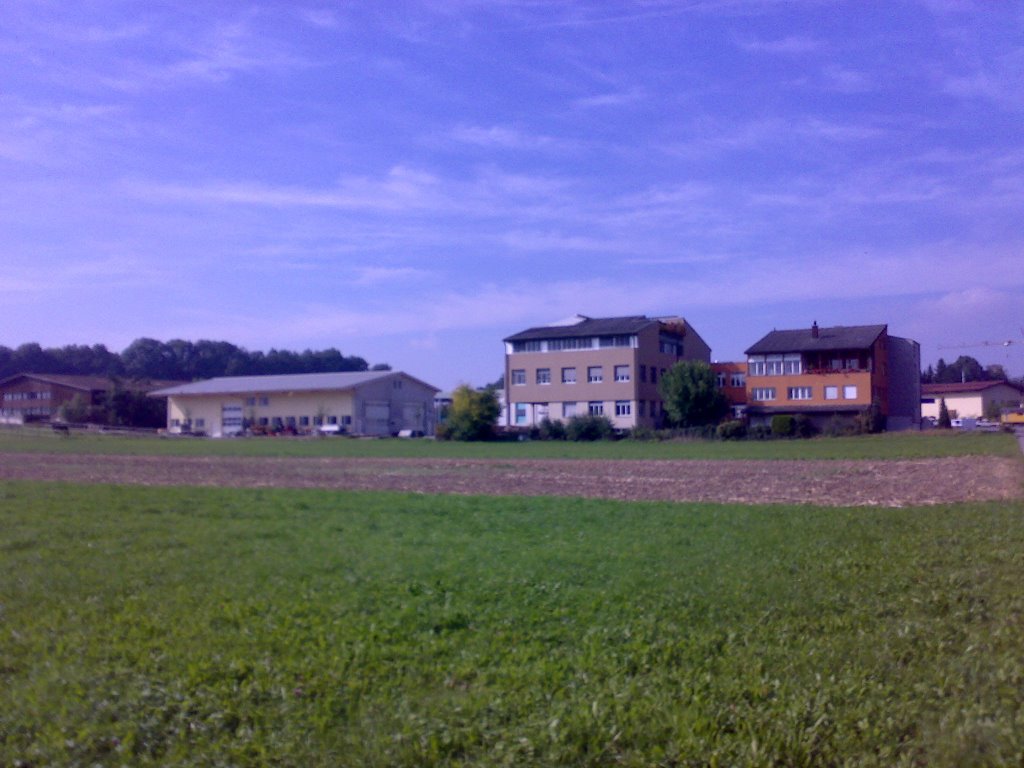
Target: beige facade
{"type": "Point", "coordinates": [608, 367]}
{"type": "Point", "coordinates": [969, 400]}
{"type": "Point", "coordinates": [365, 403]}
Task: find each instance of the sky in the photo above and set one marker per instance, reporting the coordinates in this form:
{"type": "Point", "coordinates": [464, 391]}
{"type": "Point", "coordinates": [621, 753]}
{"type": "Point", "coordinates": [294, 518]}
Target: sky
{"type": "Point", "coordinates": [412, 182]}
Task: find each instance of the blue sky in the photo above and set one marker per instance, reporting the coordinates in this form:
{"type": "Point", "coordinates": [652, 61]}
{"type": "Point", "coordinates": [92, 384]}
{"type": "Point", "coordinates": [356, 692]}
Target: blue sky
{"type": "Point", "coordinates": [411, 182]}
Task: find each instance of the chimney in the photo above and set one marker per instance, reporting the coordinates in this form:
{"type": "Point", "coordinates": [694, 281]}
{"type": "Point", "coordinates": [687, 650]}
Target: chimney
{"type": "Point", "coordinates": [814, 330]}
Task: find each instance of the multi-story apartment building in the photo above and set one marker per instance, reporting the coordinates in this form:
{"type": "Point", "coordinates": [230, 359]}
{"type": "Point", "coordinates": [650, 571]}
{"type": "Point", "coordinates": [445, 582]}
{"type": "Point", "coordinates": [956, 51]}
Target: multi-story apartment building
{"type": "Point", "coordinates": [829, 372]}
{"type": "Point", "coordinates": [603, 366]}
{"type": "Point", "coordinates": [731, 379]}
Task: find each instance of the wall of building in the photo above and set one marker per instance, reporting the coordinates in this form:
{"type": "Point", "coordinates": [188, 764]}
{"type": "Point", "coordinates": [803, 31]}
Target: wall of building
{"type": "Point", "coordinates": [971, 405]}
{"type": "Point", "coordinates": [904, 386]}
{"type": "Point", "coordinates": [376, 408]}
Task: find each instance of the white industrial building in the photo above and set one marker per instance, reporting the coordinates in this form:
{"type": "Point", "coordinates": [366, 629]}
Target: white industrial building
{"type": "Point", "coordinates": [374, 403]}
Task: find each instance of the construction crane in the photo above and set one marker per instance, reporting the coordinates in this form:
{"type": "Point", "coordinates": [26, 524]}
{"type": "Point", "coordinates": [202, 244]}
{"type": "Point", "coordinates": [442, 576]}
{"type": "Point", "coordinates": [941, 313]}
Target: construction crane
{"type": "Point", "coordinates": [1007, 343]}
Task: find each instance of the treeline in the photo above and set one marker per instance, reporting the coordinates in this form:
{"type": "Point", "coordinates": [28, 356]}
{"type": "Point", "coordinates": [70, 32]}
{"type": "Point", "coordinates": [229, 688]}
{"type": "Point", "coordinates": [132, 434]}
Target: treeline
{"type": "Point", "coordinates": [964, 368]}
{"type": "Point", "coordinates": [175, 360]}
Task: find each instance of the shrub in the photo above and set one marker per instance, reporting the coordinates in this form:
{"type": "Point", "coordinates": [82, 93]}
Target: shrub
{"type": "Point", "coordinates": [871, 420]}
{"type": "Point", "coordinates": [642, 433]}
{"type": "Point", "coordinates": [759, 432]}
{"type": "Point", "coordinates": [783, 425]}
{"type": "Point", "coordinates": [551, 430]}
{"type": "Point", "coordinates": [589, 427]}
{"type": "Point", "coordinates": [803, 426]}
{"type": "Point", "coordinates": [731, 430]}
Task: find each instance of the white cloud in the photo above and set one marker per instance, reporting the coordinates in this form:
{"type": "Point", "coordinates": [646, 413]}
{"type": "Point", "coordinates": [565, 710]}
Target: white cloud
{"type": "Point", "coordinates": [789, 46]}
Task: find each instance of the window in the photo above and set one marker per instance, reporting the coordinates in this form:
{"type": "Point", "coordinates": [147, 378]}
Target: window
{"type": "Point", "coordinates": [800, 393]}
{"type": "Point", "coordinates": [568, 410]}
{"type": "Point", "coordinates": [520, 413]}
{"type": "Point", "coordinates": [616, 341]}
{"type": "Point", "coordinates": [669, 345]}
{"type": "Point", "coordinates": [764, 393]}
{"type": "Point", "coordinates": [303, 421]}
{"type": "Point", "coordinates": [264, 401]}
{"type": "Point", "coordinates": [850, 392]}
{"type": "Point", "coordinates": [556, 345]}
{"type": "Point", "coordinates": [175, 422]}
{"type": "Point", "coordinates": [654, 375]}
{"type": "Point", "coordinates": [595, 374]}
{"type": "Point", "coordinates": [200, 423]}
{"type": "Point", "coordinates": [643, 374]}
{"type": "Point", "coordinates": [719, 380]}
{"type": "Point", "coordinates": [518, 376]}
{"type": "Point", "coordinates": [622, 373]}
{"type": "Point", "coordinates": [853, 364]}
{"type": "Point", "coordinates": [396, 384]}
{"type": "Point", "coordinates": [568, 375]}
{"type": "Point", "coordinates": [346, 420]}
{"type": "Point", "coordinates": [623, 408]}
{"type": "Point", "coordinates": [250, 401]}
{"type": "Point", "coordinates": [264, 421]}
{"type": "Point", "coordinates": [290, 421]}
{"type": "Point", "coordinates": [543, 375]}
{"type": "Point", "coordinates": [737, 380]}
{"type": "Point", "coordinates": [640, 407]}
{"type": "Point", "coordinates": [831, 393]}
{"type": "Point", "coordinates": [755, 365]}
{"type": "Point", "coordinates": [526, 346]}
{"type": "Point", "coordinates": [791, 364]}
{"type": "Point", "coordinates": [332, 419]}
{"type": "Point", "coordinates": [773, 365]}
{"type": "Point", "coordinates": [595, 408]}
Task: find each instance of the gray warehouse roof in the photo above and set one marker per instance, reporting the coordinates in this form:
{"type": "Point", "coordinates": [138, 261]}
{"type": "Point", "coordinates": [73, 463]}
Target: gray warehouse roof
{"type": "Point", "coordinates": [299, 382]}
{"type": "Point", "coordinates": [804, 340]}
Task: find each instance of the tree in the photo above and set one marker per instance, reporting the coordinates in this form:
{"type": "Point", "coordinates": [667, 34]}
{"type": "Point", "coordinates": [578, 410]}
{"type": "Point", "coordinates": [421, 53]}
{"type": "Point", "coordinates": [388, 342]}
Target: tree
{"type": "Point", "coordinates": [471, 415]}
{"type": "Point", "coordinates": [944, 421]}
{"type": "Point", "coordinates": [691, 395]}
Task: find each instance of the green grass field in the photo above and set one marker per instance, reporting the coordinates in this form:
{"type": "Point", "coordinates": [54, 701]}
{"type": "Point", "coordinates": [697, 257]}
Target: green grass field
{"type": "Point", "coordinates": [897, 445]}
{"type": "Point", "coordinates": [210, 627]}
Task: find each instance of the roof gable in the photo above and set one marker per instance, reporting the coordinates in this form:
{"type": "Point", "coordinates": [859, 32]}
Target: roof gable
{"type": "Point", "coordinates": [803, 339]}
{"type": "Point", "coordinates": [588, 326]}
{"type": "Point", "coordinates": [967, 387]}
{"type": "Point", "coordinates": [297, 382]}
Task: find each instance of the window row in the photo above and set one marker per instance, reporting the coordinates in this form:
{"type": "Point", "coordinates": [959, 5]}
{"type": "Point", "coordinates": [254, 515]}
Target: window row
{"type": "Point", "coordinates": [44, 395]}
{"type": "Point", "coordinates": [561, 345]}
{"type": "Point", "coordinates": [593, 408]}
{"type": "Point", "coordinates": [595, 375]}
{"type": "Point", "coordinates": [732, 380]}
{"type": "Point", "coordinates": [774, 365]}
{"type": "Point", "coordinates": [763, 394]}
{"type": "Point", "coordinates": [253, 401]}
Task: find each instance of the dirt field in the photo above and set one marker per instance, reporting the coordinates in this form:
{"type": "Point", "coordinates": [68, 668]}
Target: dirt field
{"type": "Point", "coordinates": [827, 483]}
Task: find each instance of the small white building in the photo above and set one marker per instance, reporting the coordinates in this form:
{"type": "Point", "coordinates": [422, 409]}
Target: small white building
{"type": "Point", "coordinates": [969, 400]}
{"type": "Point", "coordinates": [377, 403]}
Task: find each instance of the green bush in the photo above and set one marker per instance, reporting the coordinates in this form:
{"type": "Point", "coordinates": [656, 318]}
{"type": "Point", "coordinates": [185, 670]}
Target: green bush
{"type": "Point", "coordinates": [551, 430]}
{"type": "Point", "coordinates": [643, 433]}
{"type": "Point", "coordinates": [783, 425]}
{"type": "Point", "coordinates": [589, 427]}
{"type": "Point", "coordinates": [731, 430]}
{"type": "Point", "coordinates": [759, 432]}
{"type": "Point", "coordinates": [803, 426]}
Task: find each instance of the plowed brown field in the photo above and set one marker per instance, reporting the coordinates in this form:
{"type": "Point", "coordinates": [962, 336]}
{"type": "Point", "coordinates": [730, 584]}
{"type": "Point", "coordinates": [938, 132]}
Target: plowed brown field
{"type": "Point", "coordinates": [823, 483]}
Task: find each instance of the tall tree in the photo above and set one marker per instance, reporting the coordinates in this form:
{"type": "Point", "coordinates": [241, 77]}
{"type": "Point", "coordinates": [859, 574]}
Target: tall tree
{"type": "Point", "coordinates": [691, 395]}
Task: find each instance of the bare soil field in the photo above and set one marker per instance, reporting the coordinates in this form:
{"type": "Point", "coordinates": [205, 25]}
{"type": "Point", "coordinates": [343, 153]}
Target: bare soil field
{"type": "Point", "coordinates": [822, 483]}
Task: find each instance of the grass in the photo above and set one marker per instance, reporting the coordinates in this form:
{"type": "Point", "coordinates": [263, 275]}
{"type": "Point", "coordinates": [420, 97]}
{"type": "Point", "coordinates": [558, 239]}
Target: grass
{"type": "Point", "coordinates": [211, 627]}
{"type": "Point", "coordinates": [897, 445]}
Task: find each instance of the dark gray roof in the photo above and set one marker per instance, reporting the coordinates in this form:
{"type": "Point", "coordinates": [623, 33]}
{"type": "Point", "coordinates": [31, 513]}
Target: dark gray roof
{"type": "Point", "coordinates": [802, 340]}
{"type": "Point", "coordinates": [591, 326]}
{"type": "Point", "coordinates": [88, 383]}
{"type": "Point", "coordinates": [299, 382]}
